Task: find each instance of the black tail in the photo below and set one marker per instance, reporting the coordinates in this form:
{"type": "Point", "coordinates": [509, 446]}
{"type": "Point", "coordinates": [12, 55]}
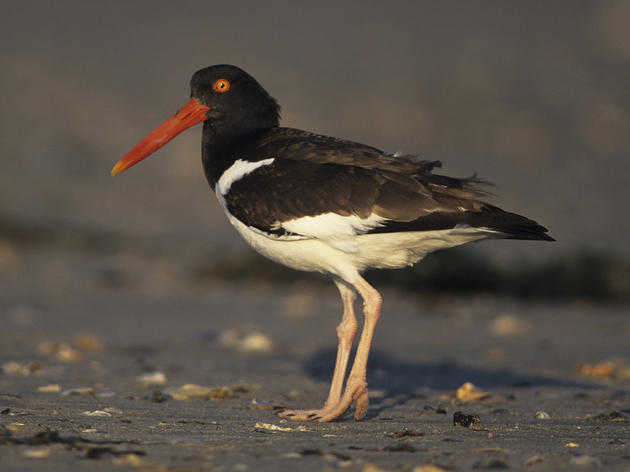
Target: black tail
{"type": "Point", "coordinates": [509, 225]}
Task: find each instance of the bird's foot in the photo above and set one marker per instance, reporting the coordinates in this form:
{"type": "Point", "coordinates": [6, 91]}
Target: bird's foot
{"type": "Point", "coordinates": [356, 390]}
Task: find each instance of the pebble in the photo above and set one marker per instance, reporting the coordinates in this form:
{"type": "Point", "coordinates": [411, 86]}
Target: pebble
{"type": "Point", "coordinates": [78, 391]}
{"type": "Point", "coordinates": [469, 392]}
{"type": "Point", "coordinates": [152, 378]}
{"type": "Point", "coordinates": [254, 342]}
{"type": "Point", "coordinates": [60, 350]}
{"type": "Point", "coordinates": [272, 428]}
{"type": "Point", "coordinates": [509, 325]}
{"type": "Point", "coordinates": [542, 415]}
{"type": "Point", "coordinates": [197, 392]}
{"type": "Point", "coordinates": [21, 368]}
{"type": "Point", "coordinates": [608, 417]}
{"type": "Point", "coordinates": [534, 459]}
{"type": "Point", "coordinates": [428, 468]}
{"type": "Point", "coordinates": [467, 421]}
{"type": "Point", "coordinates": [50, 388]}
{"type": "Point", "coordinates": [88, 343]}
{"type": "Point", "coordinates": [37, 453]}
{"type": "Point", "coordinates": [96, 413]}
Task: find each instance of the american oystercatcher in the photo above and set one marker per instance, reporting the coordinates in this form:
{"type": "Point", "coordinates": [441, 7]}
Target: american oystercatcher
{"type": "Point", "coordinates": [323, 204]}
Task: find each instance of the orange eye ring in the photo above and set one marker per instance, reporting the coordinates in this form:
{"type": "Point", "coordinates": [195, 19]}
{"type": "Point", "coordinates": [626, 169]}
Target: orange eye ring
{"type": "Point", "coordinates": [221, 85]}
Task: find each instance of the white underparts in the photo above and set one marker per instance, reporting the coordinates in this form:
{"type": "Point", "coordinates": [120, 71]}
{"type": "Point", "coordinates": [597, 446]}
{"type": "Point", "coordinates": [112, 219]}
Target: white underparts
{"type": "Point", "coordinates": [331, 226]}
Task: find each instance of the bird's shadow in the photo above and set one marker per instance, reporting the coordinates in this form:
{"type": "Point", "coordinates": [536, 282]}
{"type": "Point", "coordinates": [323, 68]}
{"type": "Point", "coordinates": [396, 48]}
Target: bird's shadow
{"type": "Point", "coordinates": [407, 380]}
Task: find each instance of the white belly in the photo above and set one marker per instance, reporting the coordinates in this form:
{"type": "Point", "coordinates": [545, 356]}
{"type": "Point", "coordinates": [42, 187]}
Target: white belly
{"type": "Point", "coordinates": [346, 258]}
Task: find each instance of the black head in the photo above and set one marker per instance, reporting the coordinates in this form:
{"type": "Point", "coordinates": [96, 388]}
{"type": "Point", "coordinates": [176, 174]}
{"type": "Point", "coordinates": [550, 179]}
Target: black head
{"type": "Point", "coordinates": [238, 104]}
{"type": "Point", "coordinates": [229, 102]}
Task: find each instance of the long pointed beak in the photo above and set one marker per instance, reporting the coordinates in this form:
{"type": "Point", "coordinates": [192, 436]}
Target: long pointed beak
{"type": "Point", "coordinates": [191, 114]}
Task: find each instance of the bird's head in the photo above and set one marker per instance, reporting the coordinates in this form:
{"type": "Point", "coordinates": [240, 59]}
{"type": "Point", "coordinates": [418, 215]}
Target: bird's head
{"type": "Point", "coordinates": [226, 98]}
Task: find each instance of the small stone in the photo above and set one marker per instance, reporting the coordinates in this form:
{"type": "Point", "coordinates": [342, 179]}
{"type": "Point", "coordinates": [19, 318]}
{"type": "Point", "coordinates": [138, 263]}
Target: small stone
{"type": "Point", "coordinates": [159, 397]}
{"type": "Point", "coordinates": [21, 368]}
{"type": "Point", "coordinates": [509, 325]}
{"type": "Point", "coordinates": [470, 393]}
{"type": "Point", "coordinates": [78, 391]}
{"type": "Point", "coordinates": [372, 468]}
{"type": "Point", "coordinates": [467, 421]}
{"type": "Point", "coordinates": [129, 460]}
{"type": "Point", "coordinates": [197, 392]}
{"type": "Point", "coordinates": [542, 415]}
{"type": "Point", "coordinates": [88, 343]}
{"type": "Point", "coordinates": [152, 378]}
{"type": "Point", "coordinates": [608, 417]}
{"type": "Point", "coordinates": [271, 428]}
{"type": "Point", "coordinates": [605, 370]}
{"type": "Point", "coordinates": [50, 388]}
{"type": "Point", "coordinates": [60, 350]}
{"type": "Point", "coordinates": [534, 460]}
{"type": "Point", "coordinates": [428, 468]}
{"type": "Point", "coordinates": [96, 413]}
{"type": "Point", "coordinates": [255, 342]}
{"type": "Point", "coordinates": [37, 453]}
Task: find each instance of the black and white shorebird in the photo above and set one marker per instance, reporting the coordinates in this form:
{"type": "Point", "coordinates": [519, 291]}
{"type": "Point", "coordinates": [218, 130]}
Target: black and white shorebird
{"type": "Point", "coordinates": [323, 204]}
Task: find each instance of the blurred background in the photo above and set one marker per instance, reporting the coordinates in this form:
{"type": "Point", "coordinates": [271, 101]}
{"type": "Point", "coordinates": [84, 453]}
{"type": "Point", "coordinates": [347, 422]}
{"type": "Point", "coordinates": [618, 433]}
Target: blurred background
{"type": "Point", "coordinates": [532, 96]}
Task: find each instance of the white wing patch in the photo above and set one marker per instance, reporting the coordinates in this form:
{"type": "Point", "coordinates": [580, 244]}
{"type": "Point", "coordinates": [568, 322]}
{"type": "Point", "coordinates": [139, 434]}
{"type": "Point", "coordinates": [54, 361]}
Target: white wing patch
{"type": "Point", "coordinates": [331, 226]}
{"type": "Point", "coordinates": [237, 171]}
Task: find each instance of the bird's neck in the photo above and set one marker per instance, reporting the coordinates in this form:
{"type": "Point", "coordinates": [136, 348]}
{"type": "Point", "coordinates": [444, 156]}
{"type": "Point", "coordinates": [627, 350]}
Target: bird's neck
{"type": "Point", "coordinates": [221, 149]}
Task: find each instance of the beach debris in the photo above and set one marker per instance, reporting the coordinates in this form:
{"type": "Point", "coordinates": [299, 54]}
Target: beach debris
{"type": "Point", "coordinates": [467, 421]}
{"type": "Point", "coordinates": [428, 468]}
{"type": "Point", "coordinates": [37, 452]}
{"type": "Point", "coordinates": [253, 342]}
{"type": "Point", "coordinates": [535, 459]}
{"type": "Point", "coordinates": [50, 388]}
{"type": "Point", "coordinates": [542, 415]}
{"type": "Point", "coordinates": [152, 378]}
{"type": "Point", "coordinates": [469, 392]}
{"type": "Point", "coordinates": [129, 460]}
{"type": "Point", "coordinates": [611, 416]}
{"type": "Point", "coordinates": [618, 368]}
{"type": "Point", "coordinates": [197, 392]}
{"type": "Point", "coordinates": [88, 343]}
{"type": "Point", "coordinates": [509, 325]}
{"type": "Point", "coordinates": [572, 444]}
{"type": "Point", "coordinates": [60, 350]}
{"type": "Point", "coordinates": [96, 413]}
{"type": "Point", "coordinates": [272, 428]}
{"type": "Point", "coordinates": [159, 397]}
{"type": "Point", "coordinates": [21, 368]}
{"type": "Point", "coordinates": [78, 391]}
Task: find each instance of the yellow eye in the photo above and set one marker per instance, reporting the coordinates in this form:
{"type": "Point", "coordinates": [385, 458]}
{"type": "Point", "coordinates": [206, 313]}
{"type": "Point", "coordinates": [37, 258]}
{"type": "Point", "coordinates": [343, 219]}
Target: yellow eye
{"type": "Point", "coordinates": [221, 85]}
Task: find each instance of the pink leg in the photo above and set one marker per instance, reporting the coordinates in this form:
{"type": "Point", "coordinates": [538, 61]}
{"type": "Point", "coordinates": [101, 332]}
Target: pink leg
{"type": "Point", "coordinates": [356, 385]}
{"type": "Point", "coordinates": [346, 331]}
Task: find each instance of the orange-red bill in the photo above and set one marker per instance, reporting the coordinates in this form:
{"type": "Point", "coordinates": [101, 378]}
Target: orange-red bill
{"type": "Point", "coordinates": [191, 114]}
